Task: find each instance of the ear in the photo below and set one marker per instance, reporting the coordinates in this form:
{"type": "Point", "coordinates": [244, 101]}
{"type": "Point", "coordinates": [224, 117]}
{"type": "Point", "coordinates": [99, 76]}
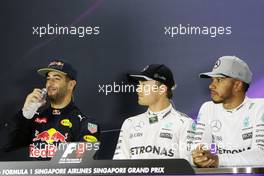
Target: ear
{"type": "Point", "coordinates": [238, 86]}
{"type": "Point", "coordinates": [162, 89]}
{"type": "Point", "coordinates": [72, 84]}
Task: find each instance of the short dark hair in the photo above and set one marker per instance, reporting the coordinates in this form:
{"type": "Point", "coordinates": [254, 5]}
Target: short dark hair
{"type": "Point", "coordinates": [246, 86]}
{"type": "Point", "coordinates": [169, 91]}
{"type": "Point", "coordinates": [70, 79]}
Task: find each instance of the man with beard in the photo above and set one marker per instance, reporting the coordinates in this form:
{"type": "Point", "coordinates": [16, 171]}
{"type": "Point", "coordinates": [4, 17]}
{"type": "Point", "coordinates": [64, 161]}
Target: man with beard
{"type": "Point", "coordinates": [230, 128]}
{"type": "Point", "coordinates": [60, 122]}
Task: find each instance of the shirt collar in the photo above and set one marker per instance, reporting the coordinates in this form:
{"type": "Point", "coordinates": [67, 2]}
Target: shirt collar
{"type": "Point", "coordinates": [161, 114]}
{"type": "Point", "coordinates": [237, 108]}
{"type": "Point", "coordinates": [65, 110]}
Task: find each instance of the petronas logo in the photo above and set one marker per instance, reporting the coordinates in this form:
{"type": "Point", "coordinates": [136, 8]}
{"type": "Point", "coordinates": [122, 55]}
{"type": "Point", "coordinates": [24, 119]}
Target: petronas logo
{"type": "Point", "coordinates": [251, 105]}
{"type": "Point", "coordinates": [194, 126]}
{"type": "Point", "coordinates": [262, 118]}
{"type": "Point", "coordinates": [246, 122]}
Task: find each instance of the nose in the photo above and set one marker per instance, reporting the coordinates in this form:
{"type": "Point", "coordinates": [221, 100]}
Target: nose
{"type": "Point", "coordinates": [49, 83]}
{"type": "Point", "coordinates": [211, 85]}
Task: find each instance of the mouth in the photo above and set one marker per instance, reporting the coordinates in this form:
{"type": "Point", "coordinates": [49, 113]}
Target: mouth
{"type": "Point", "coordinates": [213, 92]}
{"type": "Point", "coordinates": [51, 90]}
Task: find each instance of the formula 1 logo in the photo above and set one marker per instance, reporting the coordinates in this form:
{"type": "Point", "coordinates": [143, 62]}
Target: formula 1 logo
{"type": "Point", "coordinates": [73, 153]}
{"type": "Point", "coordinates": [50, 136]}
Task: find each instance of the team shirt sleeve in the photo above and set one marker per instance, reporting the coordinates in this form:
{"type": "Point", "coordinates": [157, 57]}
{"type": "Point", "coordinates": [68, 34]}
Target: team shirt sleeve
{"type": "Point", "coordinates": [253, 156]}
{"type": "Point", "coordinates": [88, 131]}
{"type": "Point", "coordinates": [122, 150]}
{"type": "Point", "coordinates": [186, 139]}
{"type": "Point", "coordinates": [203, 133]}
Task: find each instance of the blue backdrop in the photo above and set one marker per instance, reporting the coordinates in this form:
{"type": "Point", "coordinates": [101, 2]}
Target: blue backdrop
{"type": "Point", "coordinates": [125, 36]}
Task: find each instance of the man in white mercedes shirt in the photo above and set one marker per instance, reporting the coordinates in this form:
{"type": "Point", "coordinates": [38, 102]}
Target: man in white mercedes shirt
{"type": "Point", "coordinates": [230, 128]}
{"type": "Point", "coordinates": [160, 132]}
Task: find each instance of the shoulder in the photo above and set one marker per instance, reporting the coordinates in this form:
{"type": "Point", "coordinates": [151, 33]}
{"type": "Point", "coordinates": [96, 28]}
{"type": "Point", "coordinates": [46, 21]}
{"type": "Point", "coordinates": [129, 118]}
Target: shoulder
{"type": "Point", "coordinates": [180, 116]}
{"type": "Point", "coordinates": [134, 119]}
{"type": "Point", "coordinates": [256, 107]}
{"type": "Point", "coordinates": [76, 114]}
{"type": "Point", "coordinates": [208, 105]}
{"type": "Point", "coordinates": [255, 102]}
{"type": "Point", "coordinates": [206, 110]}
{"type": "Point", "coordinates": [75, 111]}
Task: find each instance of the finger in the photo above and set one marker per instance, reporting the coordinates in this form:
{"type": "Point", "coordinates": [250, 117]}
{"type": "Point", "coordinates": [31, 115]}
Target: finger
{"type": "Point", "coordinates": [196, 155]}
{"type": "Point", "coordinates": [43, 102]}
{"type": "Point", "coordinates": [200, 163]}
{"type": "Point", "coordinates": [32, 100]}
{"type": "Point", "coordinates": [207, 163]}
{"type": "Point", "coordinates": [200, 159]}
{"type": "Point", "coordinates": [37, 90]}
{"type": "Point", "coordinates": [208, 154]}
{"type": "Point", "coordinates": [198, 148]}
{"type": "Point", "coordinates": [37, 96]}
{"type": "Point", "coordinates": [213, 164]}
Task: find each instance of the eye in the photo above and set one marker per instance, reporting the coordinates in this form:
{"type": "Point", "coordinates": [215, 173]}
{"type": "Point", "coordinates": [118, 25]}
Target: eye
{"type": "Point", "coordinates": [219, 79]}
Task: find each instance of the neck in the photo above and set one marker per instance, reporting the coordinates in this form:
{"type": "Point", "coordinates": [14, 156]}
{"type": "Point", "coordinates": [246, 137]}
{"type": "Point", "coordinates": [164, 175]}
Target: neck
{"type": "Point", "coordinates": [159, 105]}
{"type": "Point", "coordinates": [59, 104]}
{"type": "Point", "coordinates": [234, 102]}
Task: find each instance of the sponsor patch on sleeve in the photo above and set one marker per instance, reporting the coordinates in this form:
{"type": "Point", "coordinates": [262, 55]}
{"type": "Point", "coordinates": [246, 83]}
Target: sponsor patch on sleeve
{"type": "Point", "coordinates": [41, 120]}
{"type": "Point", "coordinates": [262, 117]}
{"type": "Point", "coordinates": [92, 128]}
{"type": "Point", "coordinates": [90, 138]}
{"type": "Point", "coordinates": [66, 122]}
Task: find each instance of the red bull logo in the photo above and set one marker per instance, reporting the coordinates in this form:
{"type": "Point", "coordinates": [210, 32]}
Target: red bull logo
{"type": "Point", "coordinates": [56, 63]}
{"type": "Point", "coordinates": [46, 150]}
{"type": "Point", "coordinates": [50, 136]}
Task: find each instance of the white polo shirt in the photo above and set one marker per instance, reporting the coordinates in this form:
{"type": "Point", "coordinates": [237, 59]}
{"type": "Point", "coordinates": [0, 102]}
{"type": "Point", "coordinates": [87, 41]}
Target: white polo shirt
{"type": "Point", "coordinates": [166, 134]}
{"type": "Point", "coordinates": [238, 133]}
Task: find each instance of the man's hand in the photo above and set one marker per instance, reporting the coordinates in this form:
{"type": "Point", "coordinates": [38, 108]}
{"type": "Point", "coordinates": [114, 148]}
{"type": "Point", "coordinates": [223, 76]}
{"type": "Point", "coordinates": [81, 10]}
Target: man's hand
{"type": "Point", "coordinates": [204, 158]}
{"type": "Point", "coordinates": [33, 97]}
